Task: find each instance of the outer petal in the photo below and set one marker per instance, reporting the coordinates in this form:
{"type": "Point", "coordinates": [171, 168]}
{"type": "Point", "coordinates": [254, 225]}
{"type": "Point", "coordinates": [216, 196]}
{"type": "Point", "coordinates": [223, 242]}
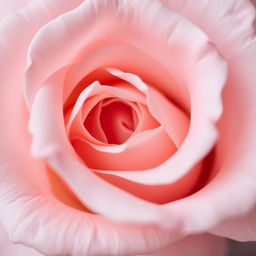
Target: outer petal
{"type": "Point", "coordinates": [8, 6]}
{"type": "Point", "coordinates": [240, 228]}
{"type": "Point", "coordinates": [9, 249]}
{"type": "Point", "coordinates": [232, 194]}
{"type": "Point", "coordinates": [42, 222]}
{"type": "Point", "coordinates": [29, 212]}
{"type": "Point", "coordinates": [198, 245]}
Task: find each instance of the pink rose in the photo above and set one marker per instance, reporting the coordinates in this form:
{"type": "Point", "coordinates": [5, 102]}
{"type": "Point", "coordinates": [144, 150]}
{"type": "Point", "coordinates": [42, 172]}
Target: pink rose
{"type": "Point", "coordinates": [128, 127]}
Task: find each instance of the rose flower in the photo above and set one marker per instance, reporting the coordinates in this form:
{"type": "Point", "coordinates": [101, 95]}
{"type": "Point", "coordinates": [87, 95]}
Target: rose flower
{"type": "Point", "coordinates": [127, 126]}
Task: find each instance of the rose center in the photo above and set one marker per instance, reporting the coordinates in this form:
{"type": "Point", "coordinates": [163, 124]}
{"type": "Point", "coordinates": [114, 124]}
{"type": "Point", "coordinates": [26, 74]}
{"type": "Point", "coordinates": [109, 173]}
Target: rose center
{"type": "Point", "coordinates": [111, 121]}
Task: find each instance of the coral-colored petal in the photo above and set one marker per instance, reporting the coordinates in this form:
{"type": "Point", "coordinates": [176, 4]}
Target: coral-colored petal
{"type": "Point", "coordinates": [135, 153]}
{"type": "Point", "coordinates": [121, 91]}
{"type": "Point", "coordinates": [50, 143]}
{"type": "Point", "coordinates": [93, 125]}
{"type": "Point", "coordinates": [175, 122]}
{"type": "Point", "coordinates": [117, 120]}
{"type": "Point", "coordinates": [95, 93]}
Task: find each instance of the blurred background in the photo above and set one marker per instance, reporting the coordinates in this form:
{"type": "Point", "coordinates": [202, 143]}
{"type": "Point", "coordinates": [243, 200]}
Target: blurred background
{"type": "Point", "coordinates": [242, 249]}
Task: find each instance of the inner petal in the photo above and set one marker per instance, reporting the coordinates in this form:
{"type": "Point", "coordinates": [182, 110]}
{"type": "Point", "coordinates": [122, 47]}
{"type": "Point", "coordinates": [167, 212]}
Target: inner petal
{"type": "Point", "coordinates": [117, 121]}
{"type": "Point", "coordinates": [112, 121]}
{"type": "Point", "coordinates": [93, 125]}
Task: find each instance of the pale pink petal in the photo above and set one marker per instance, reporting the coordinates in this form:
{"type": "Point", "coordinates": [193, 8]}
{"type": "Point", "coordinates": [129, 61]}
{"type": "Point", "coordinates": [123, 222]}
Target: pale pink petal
{"type": "Point", "coordinates": [80, 101]}
{"type": "Point", "coordinates": [173, 119]}
{"type": "Point", "coordinates": [232, 194]}
{"type": "Point", "coordinates": [160, 194]}
{"type": "Point", "coordinates": [197, 245]}
{"type": "Point", "coordinates": [33, 216]}
{"type": "Point", "coordinates": [131, 78]}
{"type": "Point", "coordinates": [94, 50]}
{"type": "Point", "coordinates": [208, 210]}
{"type": "Point", "coordinates": [226, 15]}
{"type": "Point", "coordinates": [122, 56]}
{"type": "Point", "coordinates": [10, 249]}
{"type": "Point", "coordinates": [8, 6]}
{"type": "Point", "coordinates": [240, 228]}
{"type": "Point", "coordinates": [54, 229]}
